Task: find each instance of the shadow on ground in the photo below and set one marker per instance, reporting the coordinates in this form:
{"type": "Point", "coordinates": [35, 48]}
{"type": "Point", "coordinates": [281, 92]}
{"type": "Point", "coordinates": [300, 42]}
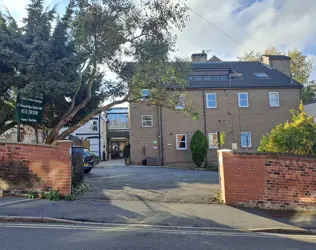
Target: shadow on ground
{"type": "Point", "coordinates": [303, 219]}
{"type": "Point", "coordinates": [156, 184]}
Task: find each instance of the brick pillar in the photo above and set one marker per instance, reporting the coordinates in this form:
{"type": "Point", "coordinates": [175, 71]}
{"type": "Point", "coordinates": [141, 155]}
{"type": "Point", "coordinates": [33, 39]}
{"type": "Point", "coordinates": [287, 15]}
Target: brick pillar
{"type": "Point", "coordinates": [66, 146]}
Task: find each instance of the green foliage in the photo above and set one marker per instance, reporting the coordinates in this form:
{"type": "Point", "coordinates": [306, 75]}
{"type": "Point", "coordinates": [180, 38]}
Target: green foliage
{"type": "Point", "coordinates": [80, 189]}
{"type": "Point", "coordinates": [96, 159]}
{"type": "Point", "coordinates": [309, 93]}
{"type": "Point", "coordinates": [222, 136]}
{"type": "Point", "coordinates": [199, 147]}
{"type": "Point", "coordinates": [69, 197]}
{"type": "Point", "coordinates": [295, 137]}
{"type": "Point", "coordinates": [32, 194]}
{"type": "Point", "coordinates": [53, 195]}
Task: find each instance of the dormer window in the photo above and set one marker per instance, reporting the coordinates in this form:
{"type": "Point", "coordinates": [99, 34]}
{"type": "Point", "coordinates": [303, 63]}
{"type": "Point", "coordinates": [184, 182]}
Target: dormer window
{"type": "Point", "coordinates": [261, 75]}
{"type": "Point", "coordinates": [208, 78]}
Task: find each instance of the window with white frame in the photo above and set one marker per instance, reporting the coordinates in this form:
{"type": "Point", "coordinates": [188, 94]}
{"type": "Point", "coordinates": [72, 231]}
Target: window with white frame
{"type": "Point", "coordinates": [181, 103]}
{"type": "Point", "coordinates": [274, 99]}
{"type": "Point", "coordinates": [181, 141]}
{"type": "Point", "coordinates": [94, 125]}
{"type": "Point", "coordinates": [243, 100]}
{"type": "Point", "coordinates": [245, 139]}
{"type": "Point", "coordinates": [144, 93]}
{"type": "Point", "coordinates": [212, 140]}
{"type": "Point", "coordinates": [147, 121]}
{"type": "Point", "coordinates": [211, 100]}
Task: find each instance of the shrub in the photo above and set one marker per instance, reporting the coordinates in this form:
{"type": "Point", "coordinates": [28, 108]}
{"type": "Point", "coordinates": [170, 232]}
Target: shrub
{"type": "Point", "coordinates": [295, 137]}
{"type": "Point", "coordinates": [199, 147]}
{"type": "Point", "coordinates": [53, 195]}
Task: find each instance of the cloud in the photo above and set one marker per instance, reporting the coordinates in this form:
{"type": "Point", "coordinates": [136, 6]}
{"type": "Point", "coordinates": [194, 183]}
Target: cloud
{"type": "Point", "coordinates": [255, 24]}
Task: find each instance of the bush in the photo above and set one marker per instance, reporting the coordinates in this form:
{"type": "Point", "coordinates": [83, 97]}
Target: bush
{"type": "Point", "coordinates": [295, 137]}
{"type": "Point", "coordinates": [199, 147]}
{"type": "Point", "coordinates": [53, 195]}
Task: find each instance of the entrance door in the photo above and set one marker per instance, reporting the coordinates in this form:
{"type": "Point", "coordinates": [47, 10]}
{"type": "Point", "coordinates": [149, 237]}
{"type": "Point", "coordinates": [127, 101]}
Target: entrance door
{"type": "Point", "coordinates": [117, 148]}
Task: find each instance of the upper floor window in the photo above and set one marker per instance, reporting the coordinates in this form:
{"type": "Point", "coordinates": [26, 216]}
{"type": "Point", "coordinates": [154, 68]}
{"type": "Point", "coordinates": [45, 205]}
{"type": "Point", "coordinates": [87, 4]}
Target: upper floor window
{"type": "Point", "coordinates": [212, 140]}
{"type": "Point", "coordinates": [144, 93]}
{"type": "Point", "coordinates": [94, 125]}
{"type": "Point", "coordinates": [211, 100]}
{"type": "Point", "coordinates": [274, 99]}
{"type": "Point", "coordinates": [117, 118]}
{"type": "Point", "coordinates": [147, 121]}
{"type": "Point", "coordinates": [181, 103]}
{"type": "Point", "coordinates": [243, 100]}
{"type": "Point", "coordinates": [181, 141]}
{"type": "Point", "coordinates": [245, 139]}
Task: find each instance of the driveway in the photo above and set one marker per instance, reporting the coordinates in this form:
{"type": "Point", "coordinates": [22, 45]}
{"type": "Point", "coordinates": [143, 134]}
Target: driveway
{"type": "Point", "coordinates": [151, 184]}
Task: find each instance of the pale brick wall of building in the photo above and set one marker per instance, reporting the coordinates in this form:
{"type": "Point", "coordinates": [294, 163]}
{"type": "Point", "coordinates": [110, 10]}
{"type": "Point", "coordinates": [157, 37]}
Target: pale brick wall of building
{"type": "Point", "coordinates": [259, 118]}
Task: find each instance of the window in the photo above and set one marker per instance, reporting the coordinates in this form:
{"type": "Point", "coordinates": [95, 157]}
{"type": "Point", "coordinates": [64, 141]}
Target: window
{"type": "Point", "coordinates": [147, 121]}
{"type": "Point", "coordinates": [245, 139]}
{"type": "Point", "coordinates": [208, 78]}
{"type": "Point", "coordinates": [261, 75]}
{"type": "Point", "coordinates": [94, 125]}
{"type": "Point", "coordinates": [181, 141]}
{"type": "Point", "coordinates": [243, 100]}
{"type": "Point", "coordinates": [274, 99]}
{"type": "Point", "coordinates": [181, 103]}
{"type": "Point", "coordinates": [212, 140]}
{"type": "Point", "coordinates": [144, 93]}
{"type": "Point", "coordinates": [211, 100]}
{"type": "Point", "coordinates": [117, 118]}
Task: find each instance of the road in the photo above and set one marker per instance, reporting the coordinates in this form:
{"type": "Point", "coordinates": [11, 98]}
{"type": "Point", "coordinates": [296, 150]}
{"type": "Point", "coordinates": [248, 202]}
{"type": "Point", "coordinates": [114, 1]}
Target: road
{"type": "Point", "coordinates": [52, 236]}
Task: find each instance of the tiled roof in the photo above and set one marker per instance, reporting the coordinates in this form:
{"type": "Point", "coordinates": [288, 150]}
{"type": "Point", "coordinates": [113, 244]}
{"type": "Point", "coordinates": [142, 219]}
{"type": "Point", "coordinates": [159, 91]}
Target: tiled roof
{"type": "Point", "coordinates": [248, 79]}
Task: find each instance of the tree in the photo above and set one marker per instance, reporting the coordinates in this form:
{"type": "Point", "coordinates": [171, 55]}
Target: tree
{"type": "Point", "coordinates": [111, 33]}
{"type": "Point", "coordinates": [295, 137]}
{"type": "Point", "coordinates": [10, 67]}
{"type": "Point", "coordinates": [198, 148]}
{"type": "Point", "coordinates": [70, 58]}
{"type": "Point", "coordinates": [301, 68]}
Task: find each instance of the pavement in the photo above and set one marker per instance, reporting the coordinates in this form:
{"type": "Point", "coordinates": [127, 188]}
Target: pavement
{"type": "Point", "coordinates": [51, 236]}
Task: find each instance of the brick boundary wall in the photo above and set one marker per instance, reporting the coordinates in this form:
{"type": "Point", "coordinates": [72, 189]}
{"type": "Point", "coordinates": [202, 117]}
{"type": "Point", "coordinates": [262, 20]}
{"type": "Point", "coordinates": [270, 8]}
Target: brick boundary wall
{"type": "Point", "coordinates": [25, 167]}
{"type": "Point", "coordinates": [267, 181]}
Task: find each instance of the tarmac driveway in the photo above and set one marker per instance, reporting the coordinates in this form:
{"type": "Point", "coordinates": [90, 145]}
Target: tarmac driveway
{"type": "Point", "coordinates": [152, 184]}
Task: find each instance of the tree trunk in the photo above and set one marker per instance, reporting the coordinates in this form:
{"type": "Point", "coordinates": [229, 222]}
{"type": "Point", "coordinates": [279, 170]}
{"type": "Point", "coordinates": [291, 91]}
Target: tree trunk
{"type": "Point", "coordinates": [67, 132]}
{"type": "Point", "coordinates": [7, 127]}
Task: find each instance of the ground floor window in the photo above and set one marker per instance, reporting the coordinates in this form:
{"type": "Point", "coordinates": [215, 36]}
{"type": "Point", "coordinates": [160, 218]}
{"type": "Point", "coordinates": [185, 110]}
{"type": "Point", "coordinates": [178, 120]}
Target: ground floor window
{"type": "Point", "coordinates": [245, 138]}
{"type": "Point", "coordinates": [212, 140]}
{"type": "Point", "coordinates": [181, 141]}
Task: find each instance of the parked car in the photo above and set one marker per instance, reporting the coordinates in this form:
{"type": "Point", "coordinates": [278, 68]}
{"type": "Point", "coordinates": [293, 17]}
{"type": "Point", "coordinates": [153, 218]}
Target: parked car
{"type": "Point", "coordinates": [88, 160]}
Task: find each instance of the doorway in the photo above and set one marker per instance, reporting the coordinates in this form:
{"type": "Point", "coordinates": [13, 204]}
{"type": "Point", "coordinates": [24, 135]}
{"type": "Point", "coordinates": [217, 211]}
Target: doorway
{"type": "Point", "coordinates": [116, 149]}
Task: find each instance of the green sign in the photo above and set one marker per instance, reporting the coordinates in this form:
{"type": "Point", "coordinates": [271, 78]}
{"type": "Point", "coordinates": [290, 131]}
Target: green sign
{"type": "Point", "coordinates": [29, 110]}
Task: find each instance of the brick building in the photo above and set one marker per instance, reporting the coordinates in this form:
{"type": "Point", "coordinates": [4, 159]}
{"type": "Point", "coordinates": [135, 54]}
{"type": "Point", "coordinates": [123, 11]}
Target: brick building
{"type": "Point", "coordinates": [243, 99]}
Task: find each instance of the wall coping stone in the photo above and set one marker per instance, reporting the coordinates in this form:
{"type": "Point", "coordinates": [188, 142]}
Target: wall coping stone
{"type": "Point", "coordinates": [274, 155]}
{"type": "Point", "coordinates": [29, 144]}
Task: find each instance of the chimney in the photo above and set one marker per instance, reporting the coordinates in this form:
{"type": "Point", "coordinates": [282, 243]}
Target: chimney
{"type": "Point", "coordinates": [199, 57]}
{"type": "Point", "coordinates": [278, 62]}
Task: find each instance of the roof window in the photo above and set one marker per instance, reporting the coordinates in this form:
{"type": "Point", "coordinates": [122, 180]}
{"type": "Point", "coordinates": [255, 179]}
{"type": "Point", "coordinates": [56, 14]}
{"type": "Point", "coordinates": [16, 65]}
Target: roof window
{"type": "Point", "coordinates": [261, 75]}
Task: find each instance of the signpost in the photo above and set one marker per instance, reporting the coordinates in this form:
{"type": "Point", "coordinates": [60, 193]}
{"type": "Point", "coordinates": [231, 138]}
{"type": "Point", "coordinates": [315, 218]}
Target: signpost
{"type": "Point", "coordinates": [28, 110]}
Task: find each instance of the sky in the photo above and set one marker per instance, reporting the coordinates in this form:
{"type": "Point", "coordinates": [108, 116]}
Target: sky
{"type": "Point", "coordinates": [251, 24]}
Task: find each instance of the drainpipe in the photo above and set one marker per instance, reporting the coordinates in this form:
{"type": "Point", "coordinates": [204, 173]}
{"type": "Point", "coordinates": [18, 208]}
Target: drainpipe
{"type": "Point", "coordinates": [204, 115]}
{"type": "Point", "coordinates": [161, 136]}
{"type": "Point", "coordinates": [100, 136]}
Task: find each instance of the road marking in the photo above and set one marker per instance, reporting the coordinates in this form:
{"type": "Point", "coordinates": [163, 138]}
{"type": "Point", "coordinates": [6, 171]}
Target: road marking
{"type": "Point", "coordinates": [153, 230]}
{"type": "Point", "coordinates": [15, 202]}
